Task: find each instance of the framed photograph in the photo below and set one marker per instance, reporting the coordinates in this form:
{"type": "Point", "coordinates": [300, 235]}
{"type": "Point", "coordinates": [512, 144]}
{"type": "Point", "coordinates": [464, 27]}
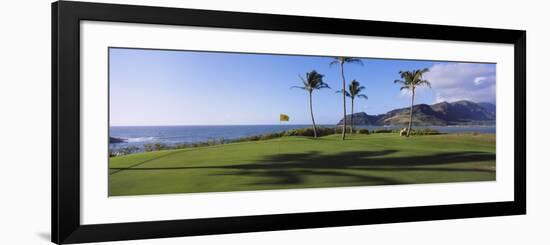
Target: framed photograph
{"type": "Point", "coordinates": [177, 122]}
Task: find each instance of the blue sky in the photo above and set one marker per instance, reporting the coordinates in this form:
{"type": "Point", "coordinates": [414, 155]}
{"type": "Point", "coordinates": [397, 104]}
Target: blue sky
{"type": "Point", "coordinates": [165, 87]}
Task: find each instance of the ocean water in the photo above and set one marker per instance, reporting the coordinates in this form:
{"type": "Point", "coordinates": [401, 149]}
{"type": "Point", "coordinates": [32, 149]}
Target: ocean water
{"type": "Point", "coordinates": [170, 135]}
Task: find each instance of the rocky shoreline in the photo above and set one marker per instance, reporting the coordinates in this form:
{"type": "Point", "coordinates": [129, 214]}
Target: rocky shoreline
{"type": "Point", "coordinates": [116, 140]}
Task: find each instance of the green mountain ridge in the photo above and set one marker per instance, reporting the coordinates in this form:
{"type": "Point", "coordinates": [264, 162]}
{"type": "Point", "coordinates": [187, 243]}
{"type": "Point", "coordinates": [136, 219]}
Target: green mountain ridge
{"type": "Point", "coordinates": [461, 112]}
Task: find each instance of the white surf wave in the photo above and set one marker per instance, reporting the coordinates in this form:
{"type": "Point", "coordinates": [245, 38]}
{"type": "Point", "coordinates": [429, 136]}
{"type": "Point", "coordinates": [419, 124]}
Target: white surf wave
{"type": "Point", "coordinates": [141, 139]}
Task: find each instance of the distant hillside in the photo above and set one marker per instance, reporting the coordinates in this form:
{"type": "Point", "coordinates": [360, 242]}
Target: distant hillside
{"type": "Point", "coordinates": [490, 107]}
{"type": "Point", "coordinates": [362, 118]}
{"type": "Point", "coordinates": [456, 113]}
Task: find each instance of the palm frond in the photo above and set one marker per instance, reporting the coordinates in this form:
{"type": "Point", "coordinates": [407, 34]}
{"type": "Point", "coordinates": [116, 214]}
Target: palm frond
{"type": "Point", "coordinates": [355, 88]}
{"type": "Point", "coordinates": [352, 60]}
{"type": "Point", "coordinates": [424, 82]}
{"type": "Point", "coordinates": [334, 62]}
{"type": "Point", "coordinates": [342, 60]}
{"type": "Point", "coordinates": [323, 85]}
{"type": "Point", "coordinates": [303, 80]}
{"type": "Point", "coordinates": [362, 96]}
{"type": "Point", "coordinates": [304, 88]}
{"type": "Point", "coordinates": [312, 81]}
{"type": "Point", "coordinates": [404, 74]}
{"type": "Point", "coordinates": [411, 79]}
{"type": "Point", "coordinates": [416, 76]}
{"type": "Point", "coordinates": [343, 91]}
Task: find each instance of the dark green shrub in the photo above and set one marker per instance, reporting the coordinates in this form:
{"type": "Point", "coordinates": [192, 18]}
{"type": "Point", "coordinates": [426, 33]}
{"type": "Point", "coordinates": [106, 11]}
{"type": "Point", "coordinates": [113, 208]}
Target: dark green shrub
{"type": "Point", "coordinates": [382, 131]}
{"type": "Point", "coordinates": [338, 129]}
{"type": "Point", "coordinates": [362, 131]}
{"type": "Point", "coordinates": [424, 131]}
{"type": "Point", "coordinates": [321, 131]}
{"type": "Point", "coordinates": [155, 147]}
{"type": "Point", "coordinates": [271, 136]}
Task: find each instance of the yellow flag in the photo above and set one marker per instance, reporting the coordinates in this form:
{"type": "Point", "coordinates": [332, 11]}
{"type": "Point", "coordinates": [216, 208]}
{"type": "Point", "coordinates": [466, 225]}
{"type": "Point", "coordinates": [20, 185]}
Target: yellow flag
{"type": "Point", "coordinates": [283, 118]}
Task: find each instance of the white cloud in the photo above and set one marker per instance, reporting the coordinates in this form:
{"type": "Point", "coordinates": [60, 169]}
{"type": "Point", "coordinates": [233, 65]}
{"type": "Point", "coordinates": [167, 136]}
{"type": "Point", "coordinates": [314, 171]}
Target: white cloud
{"type": "Point", "coordinates": [463, 81]}
{"type": "Point", "coordinates": [479, 80]}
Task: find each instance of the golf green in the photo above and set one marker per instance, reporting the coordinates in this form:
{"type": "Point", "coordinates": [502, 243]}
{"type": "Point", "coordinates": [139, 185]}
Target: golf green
{"type": "Point", "coordinates": [303, 162]}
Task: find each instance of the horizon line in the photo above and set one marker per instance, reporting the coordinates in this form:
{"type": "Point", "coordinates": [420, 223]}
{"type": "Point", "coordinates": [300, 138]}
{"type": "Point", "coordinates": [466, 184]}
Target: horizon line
{"type": "Point", "coordinates": [275, 124]}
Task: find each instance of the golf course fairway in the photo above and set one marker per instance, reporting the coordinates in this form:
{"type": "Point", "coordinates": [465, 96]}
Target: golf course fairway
{"type": "Point", "coordinates": [304, 162]}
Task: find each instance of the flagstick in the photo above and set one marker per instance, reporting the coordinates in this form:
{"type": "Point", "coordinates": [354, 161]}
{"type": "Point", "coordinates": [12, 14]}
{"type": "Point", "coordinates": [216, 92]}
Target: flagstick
{"type": "Point", "coordinates": [280, 138]}
{"type": "Point", "coordinates": [281, 116]}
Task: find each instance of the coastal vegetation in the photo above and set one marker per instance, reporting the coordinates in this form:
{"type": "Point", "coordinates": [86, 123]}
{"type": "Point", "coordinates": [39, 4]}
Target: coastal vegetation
{"type": "Point", "coordinates": [303, 132]}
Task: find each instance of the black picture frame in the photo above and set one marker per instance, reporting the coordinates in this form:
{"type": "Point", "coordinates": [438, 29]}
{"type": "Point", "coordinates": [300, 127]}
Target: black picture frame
{"type": "Point", "coordinates": [66, 17]}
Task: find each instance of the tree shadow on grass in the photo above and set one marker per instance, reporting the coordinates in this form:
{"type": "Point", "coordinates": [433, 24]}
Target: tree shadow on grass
{"type": "Point", "coordinates": [297, 176]}
{"type": "Point", "coordinates": [293, 169]}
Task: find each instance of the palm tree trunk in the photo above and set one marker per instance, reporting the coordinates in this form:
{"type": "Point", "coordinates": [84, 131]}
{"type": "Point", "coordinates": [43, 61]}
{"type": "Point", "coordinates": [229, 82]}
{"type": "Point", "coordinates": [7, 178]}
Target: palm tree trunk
{"type": "Point", "coordinates": [312, 118]}
{"type": "Point", "coordinates": [351, 124]}
{"type": "Point", "coordinates": [344, 97]}
{"type": "Point", "coordinates": [411, 114]}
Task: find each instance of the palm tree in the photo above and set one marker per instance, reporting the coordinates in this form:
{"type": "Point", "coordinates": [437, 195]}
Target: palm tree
{"type": "Point", "coordinates": [354, 91]}
{"type": "Point", "coordinates": [313, 81]}
{"type": "Point", "coordinates": [341, 61]}
{"type": "Point", "coordinates": [411, 80]}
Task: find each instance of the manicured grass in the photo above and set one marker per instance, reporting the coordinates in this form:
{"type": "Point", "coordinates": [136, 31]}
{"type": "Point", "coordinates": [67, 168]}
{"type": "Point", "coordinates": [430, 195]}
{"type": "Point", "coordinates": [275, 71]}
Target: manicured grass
{"type": "Point", "coordinates": [302, 162]}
